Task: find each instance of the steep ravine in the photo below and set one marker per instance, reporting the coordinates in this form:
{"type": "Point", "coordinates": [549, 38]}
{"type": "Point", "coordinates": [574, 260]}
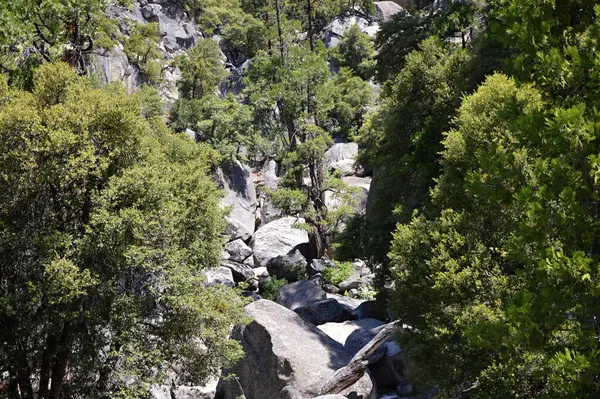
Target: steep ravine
{"type": "Point", "coordinates": [310, 328]}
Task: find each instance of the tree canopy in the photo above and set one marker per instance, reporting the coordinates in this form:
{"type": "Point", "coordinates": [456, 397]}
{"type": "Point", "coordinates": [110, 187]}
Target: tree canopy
{"type": "Point", "coordinates": [107, 223]}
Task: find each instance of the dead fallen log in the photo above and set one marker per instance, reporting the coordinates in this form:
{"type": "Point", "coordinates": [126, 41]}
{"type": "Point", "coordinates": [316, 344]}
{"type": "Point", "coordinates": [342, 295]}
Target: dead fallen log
{"type": "Point", "coordinates": [356, 368]}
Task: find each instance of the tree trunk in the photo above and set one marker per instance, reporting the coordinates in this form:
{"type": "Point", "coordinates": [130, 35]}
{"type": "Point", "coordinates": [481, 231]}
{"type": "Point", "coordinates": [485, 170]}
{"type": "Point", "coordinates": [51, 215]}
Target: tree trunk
{"type": "Point", "coordinates": [46, 365]}
{"type": "Point", "coordinates": [310, 25]}
{"type": "Point", "coordinates": [279, 31]}
{"type": "Point", "coordinates": [59, 369]}
{"type": "Point", "coordinates": [353, 371]}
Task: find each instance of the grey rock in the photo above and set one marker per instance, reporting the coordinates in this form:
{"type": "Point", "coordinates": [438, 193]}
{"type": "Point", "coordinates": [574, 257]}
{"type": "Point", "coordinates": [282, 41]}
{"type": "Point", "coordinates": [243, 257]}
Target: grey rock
{"type": "Point", "coordinates": [341, 157]}
{"type": "Point", "coordinates": [151, 11]}
{"type": "Point", "coordinates": [239, 271]}
{"type": "Point", "coordinates": [219, 275]}
{"type": "Point", "coordinates": [291, 267]}
{"type": "Point", "coordinates": [356, 283]}
{"type": "Point", "coordinates": [327, 311]}
{"type": "Point", "coordinates": [301, 293]}
{"type": "Point", "coordinates": [283, 352]}
{"type": "Point", "coordinates": [340, 152]}
{"type": "Point", "coordinates": [361, 336]}
{"type": "Point", "coordinates": [345, 167]}
{"type": "Point", "coordinates": [270, 174]}
{"type": "Point", "coordinates": [349, 303]}
{"type": "Point", "coordinates": [115, 67]}
{"type": "Point", "coordinates": [387, 363]}
{"type": "Point", "coordinates": [260, 272]}
{"type": "Point", "coordinates": [387, 9]}
{"type": "Point", "coordinates": [319, 266]}
{"type": "Point", "coordinates": [290, 392]}
{"type": "Point", "coordinates": [253, 295]}
{"type": "Point", "coordinates": [268, 211]}
{"type": "Point", "coordinates": [240, 196]}
{"type": "Point", "coordinates": [276, 238]}
{"type": "Point", "coordinates": [238, 250]}
{"type": "Point", "coordinates": [335, 30]}
{"type": "Point", "coordinates": [370, 310]}
{"type": "Point", "coordinates": [190, 133]}
{"type": "Point", "coordinates": [341, 331]}
{"type": "Point", "coordinates": [330, 289]}
{"type": "Point", "coordinates": [249, 262]}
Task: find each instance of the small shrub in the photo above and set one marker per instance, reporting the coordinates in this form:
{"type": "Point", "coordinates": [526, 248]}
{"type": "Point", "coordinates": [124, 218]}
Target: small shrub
{"type": "Point", "coordinates": [367, 293]}
{"type": "Point", "coordinates": [271, 287]}
{"type": "Point", "coordinates": [336, 275]}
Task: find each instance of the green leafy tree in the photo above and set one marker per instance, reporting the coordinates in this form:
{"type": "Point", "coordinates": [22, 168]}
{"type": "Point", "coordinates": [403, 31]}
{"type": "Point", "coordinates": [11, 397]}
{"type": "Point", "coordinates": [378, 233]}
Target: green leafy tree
{"type": "Point", "coordinates": [107, 223]}
{"type": "Point", "coordinates": [352, 97]}
{"type": "Point", "coordinates": [201, 69]}
{"type": "Point", "coordinates": [243, 33]}
{"type": "Point", "coordinates": [48, 30]}
{"type": "Point", "coordinates": [295, 86]}
{"type": "Point", "coordinates": [141, 48]}
{"type": "Point", "coordinates": [223, 123]}
{"type": "Point", "coordinates": [500, 282]}
{"type": "Point", "coordinates": [402, 137]}
{"type": "Point", "coordinates": [356, 51]}
{"type": "Point", "coordinates": [306, 185]}
{"type": "Point", "coordinates": [406, 30]}
{"type": "Point", "coordinates": [553, 44]}
{"type": "Point", "coordinates": [293, 100]}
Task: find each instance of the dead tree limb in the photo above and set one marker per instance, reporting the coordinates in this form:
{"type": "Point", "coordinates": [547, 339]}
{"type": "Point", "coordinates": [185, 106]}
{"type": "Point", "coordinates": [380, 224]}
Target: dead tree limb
{"type": "Point", "coordinates": [355, 369]}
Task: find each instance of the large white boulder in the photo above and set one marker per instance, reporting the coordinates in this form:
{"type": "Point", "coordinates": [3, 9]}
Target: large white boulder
{"type": "Point", "coordinates": [276, 238]}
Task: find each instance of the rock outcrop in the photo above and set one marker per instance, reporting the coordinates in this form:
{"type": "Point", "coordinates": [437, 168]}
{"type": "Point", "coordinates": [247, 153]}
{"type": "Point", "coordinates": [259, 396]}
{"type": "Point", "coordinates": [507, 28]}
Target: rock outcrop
{"type": "Point", "coordinates": [336, 29]}
{"type": "Point", "coordinates": [219, 275]}
{"type": "Point", "coordinates": [238, 250]}
{"type": "Point", "coordinates": [240, 197]}
{"type": "Point", "coordinates": [301, 293]}
{"type": "Point", "coordinates": [387, 9]}
{"type": "Point", "coordinates": [326, 311]}
{"type": "Point", "coordinates": [286, 358]}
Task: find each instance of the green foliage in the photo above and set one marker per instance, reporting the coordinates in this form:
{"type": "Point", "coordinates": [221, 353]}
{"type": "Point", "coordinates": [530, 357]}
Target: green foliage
{"type": "Point", "coordinates": [107, 223]}
{"type": "Point", "coordinates": [201, 69]}
{"type": "Point", "coordinates": [243, 33]}
{"type": "Point", "coordinates": [335, 275]}
{"type": "Point", "coordinates": [224, 123]}
{"type": "Point", "coordinates": [295, 86]}
{"type": "Point", "coordinates": [58, 30]}
{"type": "Point", "coordinates": [351, 98]}
{"type": "Point", "coordinates": [500, 282]}
{"type": "Point", "coordinates": [356, 51]}
{"type": "Point", "coordinates": [402, 138]}
{"type": "Point", "coordinates": [307, 199]}
{"type": "Point", "coordinates": [406, 30]}
{"type": "Point", "coordinates": [246, 37]}
{"type": "Point", "coordinates": [141, 48]}
{"type": "Point", "coordinates": [552, 43]}
{"type": "Point", "coordinates": [270, 288]}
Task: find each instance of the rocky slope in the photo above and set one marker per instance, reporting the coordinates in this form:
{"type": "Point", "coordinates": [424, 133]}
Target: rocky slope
{"type": "Point", "coordinates": [294, 344]}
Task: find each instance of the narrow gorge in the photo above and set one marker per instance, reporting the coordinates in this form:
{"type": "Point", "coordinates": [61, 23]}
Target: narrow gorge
{"type": "Point", "coordinates": [269, 199]}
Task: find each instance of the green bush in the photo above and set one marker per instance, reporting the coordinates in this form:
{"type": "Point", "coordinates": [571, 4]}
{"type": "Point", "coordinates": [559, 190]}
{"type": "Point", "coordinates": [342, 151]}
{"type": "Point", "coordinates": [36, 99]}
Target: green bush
{"type": "Point", "coordinates": [336, 275]}
{"type": "Point", "coordinates": [271, 287]}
